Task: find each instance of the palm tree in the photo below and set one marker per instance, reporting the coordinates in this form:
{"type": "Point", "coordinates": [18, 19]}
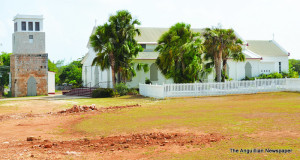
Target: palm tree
{"type": "Point", "coordinates": [180, 52]}
{"type": "Point", "coordinates": [219, 44]}
{"type": "Point", "coordinates": [104, 46]}
{"type": "Point", "coordinates": [234, 52]}
{"type": "Point", "coordinates": [115, 45]}
{"type": "Point", "coordinates": [126, 47]}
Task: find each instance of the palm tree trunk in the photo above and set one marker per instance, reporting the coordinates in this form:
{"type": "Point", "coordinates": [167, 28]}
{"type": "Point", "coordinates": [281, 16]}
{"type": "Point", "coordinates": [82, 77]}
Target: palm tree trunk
{"type": "Point", "coordinates": [224, 69]}
{"type": "Point", "coordinates": [1, 91]}
{"type": "Point", "coordinates": [218, 63]}
{"type": "Point", "coordinates": [124, 79]}
{"type": "Point", "coordinates": [119, 76]}
{"type": "Point", "coordinates": [112, 64]}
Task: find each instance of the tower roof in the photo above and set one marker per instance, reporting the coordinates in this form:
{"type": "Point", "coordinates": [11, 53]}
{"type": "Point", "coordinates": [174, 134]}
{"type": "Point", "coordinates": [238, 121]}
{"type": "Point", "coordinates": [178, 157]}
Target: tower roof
{"type": "Point", "coordinates": [23, 16]}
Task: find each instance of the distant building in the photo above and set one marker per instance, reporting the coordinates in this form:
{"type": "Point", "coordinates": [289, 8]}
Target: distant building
{"type": "Point", "coordinates": [29, 62]}
{"type": "Point", "coordinates": [261, 57]}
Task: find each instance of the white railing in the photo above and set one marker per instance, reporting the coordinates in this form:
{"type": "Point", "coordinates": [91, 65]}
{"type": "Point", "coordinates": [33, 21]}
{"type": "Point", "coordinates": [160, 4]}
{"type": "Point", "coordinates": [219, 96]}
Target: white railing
{"type": "Point", "coordinates": [222, 88]}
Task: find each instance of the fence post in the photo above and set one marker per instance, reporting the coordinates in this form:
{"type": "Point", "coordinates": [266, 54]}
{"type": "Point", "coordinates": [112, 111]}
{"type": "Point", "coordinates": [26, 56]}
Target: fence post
{"type": "Point", "coordinates": [195, 89]}
{"type": "Point", "coordinates": [286, 83]}
{"type": "Point", "coordinates": [164, 90]}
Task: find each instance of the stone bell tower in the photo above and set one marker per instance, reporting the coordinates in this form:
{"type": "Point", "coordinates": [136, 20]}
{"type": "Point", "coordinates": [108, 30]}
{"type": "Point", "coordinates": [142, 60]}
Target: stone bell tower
{"type": "Point", "coordinates": [29, 62]}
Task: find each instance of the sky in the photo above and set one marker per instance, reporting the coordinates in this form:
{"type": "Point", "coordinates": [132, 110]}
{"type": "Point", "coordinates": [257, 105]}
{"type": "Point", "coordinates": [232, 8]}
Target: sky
{"type": "Point", "coordinates": [69, 23]}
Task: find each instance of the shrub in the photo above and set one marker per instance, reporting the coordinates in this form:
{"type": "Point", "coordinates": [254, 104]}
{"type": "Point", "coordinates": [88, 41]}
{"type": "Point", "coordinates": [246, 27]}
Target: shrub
{"type": "Point", "coordinates": [247, 78]}
{"type": "Point", "coordinates": [133, 91]}
{"type": "Point", "coordinates": [285, 74]}
{"type": "Point", "coordinates": [274, 75]}
{"type": "Point", "coordinates": [121, 88]}
{"type": "Point", "coordinates": [103, 92]}
{"type": "Point", "coordinates": [293, 74]}
{"type": "Point", "coordinates": [262, 76]}
{"type": "Point", "coordinates": [147, 81]}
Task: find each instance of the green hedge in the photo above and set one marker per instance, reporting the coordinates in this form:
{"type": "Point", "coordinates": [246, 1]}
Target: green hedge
{"type": "Point", "coordinates": [103, 92]}
{"type": "Point", "coordinates": [273, 76]}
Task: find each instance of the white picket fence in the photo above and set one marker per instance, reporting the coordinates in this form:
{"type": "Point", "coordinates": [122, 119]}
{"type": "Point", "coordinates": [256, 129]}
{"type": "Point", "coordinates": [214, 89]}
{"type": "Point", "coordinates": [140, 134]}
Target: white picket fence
{"type": "Point", "coordinates": [222, 88]}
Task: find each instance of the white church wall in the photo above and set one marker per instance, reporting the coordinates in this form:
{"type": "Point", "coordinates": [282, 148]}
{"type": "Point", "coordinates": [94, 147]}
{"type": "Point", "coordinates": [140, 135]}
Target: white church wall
{"type": "Point", "coordinates": [89, 76]}
{"type": "Point", "coordinates": [141, 75]}
{"type": "Point", "coordinates": [284, 63]}
{"type": "Point", "coordinates": [87, 67]}
{"type": "Point", "coordinates": [237, 69]}
{"type": "Point", "coordinates": [267, 67]}
{"type": "Point", "coordinates": [236, 72]}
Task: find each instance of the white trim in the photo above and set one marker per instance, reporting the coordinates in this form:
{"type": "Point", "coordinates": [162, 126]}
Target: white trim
{"type": "Point", "coordinates": [22, 16]}
{"type": "Point", "coordinates": [267, 61]}
{"type": "Point", "coordinates": [147, 42]}
{"type": "Point", "coordinates": [84, 58]}
{"type": "Point", "coordinates": [251, 54]}
{"type": "Point", "coordinates": [93, 31]}
{"type": "Point", "coordinates": [285, 51]}
{"type": "Point", "coordinates": [238, 35]}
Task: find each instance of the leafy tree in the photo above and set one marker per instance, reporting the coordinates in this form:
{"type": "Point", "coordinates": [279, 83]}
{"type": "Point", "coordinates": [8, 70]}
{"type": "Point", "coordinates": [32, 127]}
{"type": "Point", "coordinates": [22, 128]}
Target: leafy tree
{"type": "Point", "coordinates": [294, 65]}
{"type": "Point", "coordinates": [221, 44]}
{"type": "Point", "coordinates": [52, 67]}
{"type": "Point", "coordinates": [115, 45]}
{"type": "Point", "coordinates": [180, 52]}
{"type": "Point", "coordinates": [4, 69]}
{"type": "Point", "coordinates": [60, 64]}
{"type": "Point", "coordinates": [72, 73]}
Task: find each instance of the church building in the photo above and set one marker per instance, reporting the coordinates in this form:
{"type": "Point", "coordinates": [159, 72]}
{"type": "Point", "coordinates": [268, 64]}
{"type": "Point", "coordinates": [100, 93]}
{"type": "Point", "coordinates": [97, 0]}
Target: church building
{"type": "Point", "coordinates": [261, 57]}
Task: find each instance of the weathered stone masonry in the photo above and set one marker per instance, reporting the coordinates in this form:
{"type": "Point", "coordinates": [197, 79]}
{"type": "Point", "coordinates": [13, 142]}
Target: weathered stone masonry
{"type": "Point", "coordinates": [25, 65]}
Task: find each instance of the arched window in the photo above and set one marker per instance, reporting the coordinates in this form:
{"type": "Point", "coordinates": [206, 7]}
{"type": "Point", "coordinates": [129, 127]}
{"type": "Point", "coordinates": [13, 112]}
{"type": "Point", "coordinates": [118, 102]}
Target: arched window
{"type": "Point", "coordinates": [153, 72]}
{"type": "Point", "coordinates": [248, 70]}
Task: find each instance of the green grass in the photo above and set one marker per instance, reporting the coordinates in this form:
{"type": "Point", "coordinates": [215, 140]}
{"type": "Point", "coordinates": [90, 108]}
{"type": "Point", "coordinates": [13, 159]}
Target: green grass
{"type": "Point", "coordinates": [222, 150]}
{"type": "Point", "coordinates": [215, 115]}
{"type": "Point", "coordinates": [234, 116]}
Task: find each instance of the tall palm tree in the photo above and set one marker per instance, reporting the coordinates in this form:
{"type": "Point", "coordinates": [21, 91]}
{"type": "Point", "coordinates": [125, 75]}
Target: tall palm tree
{"type": "Point", "coordinates": [234, 52]}
{"type": "Point", "coordinates": [217, 43]}
{"type": "Point", "coordinates": [180, 52]}
{"type": "Point", "coordinates": [104, 46]}
{"type": "Point", "coordinates": [127, 48]}
{"type": "Point", "coordinates": [114, 43]}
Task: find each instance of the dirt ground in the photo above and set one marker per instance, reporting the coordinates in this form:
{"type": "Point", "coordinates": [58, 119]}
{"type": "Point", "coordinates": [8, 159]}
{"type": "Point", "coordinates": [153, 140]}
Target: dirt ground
{"type": "Point", "coordinates": [42, 129]}
{"type": "Point", "coordinates": [37, 136]}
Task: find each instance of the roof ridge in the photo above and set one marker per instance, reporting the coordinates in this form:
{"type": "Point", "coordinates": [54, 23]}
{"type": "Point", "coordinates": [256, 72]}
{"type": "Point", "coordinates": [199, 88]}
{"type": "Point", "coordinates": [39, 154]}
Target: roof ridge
{"type": "Point", "coordinates": [260, 40]}
{"type": "Point", "coordinates": [153, 27]}
{"type": "Point", "coordinates": [163, 27]}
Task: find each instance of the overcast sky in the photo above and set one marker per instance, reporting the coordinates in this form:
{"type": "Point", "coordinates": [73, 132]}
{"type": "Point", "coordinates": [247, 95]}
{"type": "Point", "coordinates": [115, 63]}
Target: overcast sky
{"type": "Point", "coordinates": [68, 23]}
